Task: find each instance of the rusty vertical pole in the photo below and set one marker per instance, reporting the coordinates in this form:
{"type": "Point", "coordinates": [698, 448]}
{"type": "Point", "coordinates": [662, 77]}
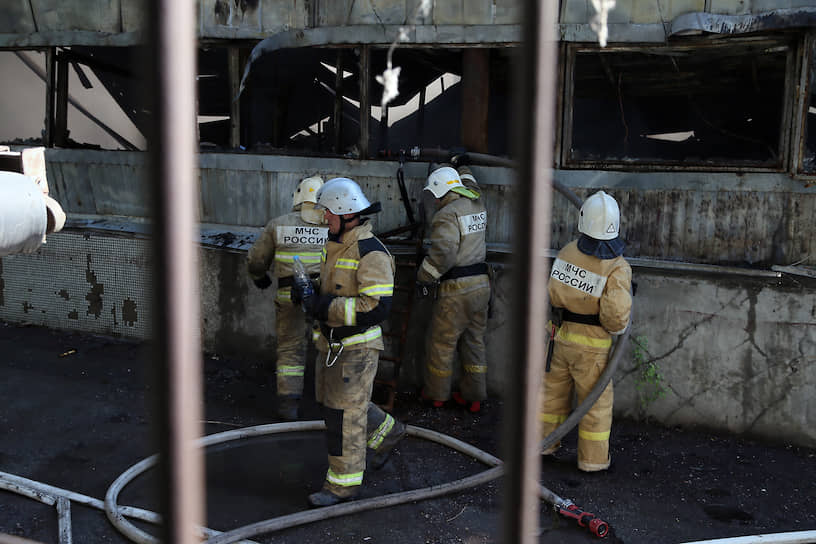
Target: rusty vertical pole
{"type": "Point", "coordinates": [234, 69]}
{"type": "Point", "coordinates": [365, 100]}
{"type": "Point", "coordinates": [50, 93]}
{"type": "Point", "coordinates": [174, 190]}
{"type": "Point", "coordinates": [61, 104]}
{"type": "Point", "coordinates": [535, 87]}
{"type": "Point", "coordinates": [475, 94]}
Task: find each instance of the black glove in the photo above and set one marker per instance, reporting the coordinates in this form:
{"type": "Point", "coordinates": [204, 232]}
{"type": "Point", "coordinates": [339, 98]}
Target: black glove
{"type": "Point", "coordinates": [317, 306]}
{"type": "Point", "coordinates": [310, 303]}
{"type": "Point", "coordinates": [262, 283]}
{"type": "Point", "coordinates": [302, 289]}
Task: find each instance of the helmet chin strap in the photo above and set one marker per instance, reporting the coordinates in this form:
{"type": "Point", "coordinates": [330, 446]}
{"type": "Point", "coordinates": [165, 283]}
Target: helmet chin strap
{"type": "Point", "coordinates": [344, 221]}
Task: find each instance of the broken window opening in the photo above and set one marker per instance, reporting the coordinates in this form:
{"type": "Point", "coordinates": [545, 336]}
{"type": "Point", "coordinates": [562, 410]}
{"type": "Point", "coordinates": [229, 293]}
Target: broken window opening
{"type": "Point", "coordinates": [709, 105]}
{"type": "Point", "coordinates": [294, 98]}
{"type": "Point", "coordinates": [91, 86]}
{"type": "Point", "coordinates": [214, 100]}
{"type": "Point", "coordinates": [23, 90]}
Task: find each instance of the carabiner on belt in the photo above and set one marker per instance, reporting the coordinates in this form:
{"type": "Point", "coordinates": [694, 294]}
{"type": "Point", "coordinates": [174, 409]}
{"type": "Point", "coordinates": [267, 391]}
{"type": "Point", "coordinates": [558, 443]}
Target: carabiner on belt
{"type": "Point", "coordinates": [332, 354]}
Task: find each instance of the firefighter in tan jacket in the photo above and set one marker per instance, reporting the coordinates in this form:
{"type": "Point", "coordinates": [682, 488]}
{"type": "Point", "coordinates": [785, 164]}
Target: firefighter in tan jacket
{"type": "Point", "coordinates": [356, 289]}
{"type": "Point", "coordinates": [299, 233]}
{"type": "Point", "coordinates": [590, 287]}
{"type": "Point", "coordinates": [456, 260]}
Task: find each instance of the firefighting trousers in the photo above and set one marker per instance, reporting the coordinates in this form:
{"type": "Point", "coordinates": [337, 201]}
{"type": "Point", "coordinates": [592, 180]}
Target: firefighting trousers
{"type": "Point", "coordinates": [353, 422]}
{"type": "Point", "coordinates": [458, 322]}
{"type": "Point", "coordinates": [290, 328]}
{"type": "Point", "coordinates": [578, 368]}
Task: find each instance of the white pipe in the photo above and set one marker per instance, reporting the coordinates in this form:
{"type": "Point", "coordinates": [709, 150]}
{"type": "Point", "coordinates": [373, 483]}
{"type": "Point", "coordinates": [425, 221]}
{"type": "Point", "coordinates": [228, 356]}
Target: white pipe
{"type": "Point", "coordinates": [50, 495]}
{"type": "Point", "coordinates": [64, 523]}
{"type": "Point", "coordinates": [799, 537]}
{"type": "Point", "coordinates": [47, 494]}
{"type": "Point", "coordinates": [26, 491]}
{"type": "Point", "coordinates": [23, 217]}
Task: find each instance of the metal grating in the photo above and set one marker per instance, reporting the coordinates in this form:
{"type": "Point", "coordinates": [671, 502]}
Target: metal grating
{"type": "Point", "coordinates": [86, 282]}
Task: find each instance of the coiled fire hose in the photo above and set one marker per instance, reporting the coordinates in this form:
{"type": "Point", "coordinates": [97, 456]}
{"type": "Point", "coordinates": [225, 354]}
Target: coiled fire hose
{"type": "Point", "coordinates": [562, 506]}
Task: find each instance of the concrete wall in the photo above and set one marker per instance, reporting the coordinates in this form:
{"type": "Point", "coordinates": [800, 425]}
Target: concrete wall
{"type": "Point", "coordinates": [247, 190]}
{"type": "Point", "coordinates": [707, 217]}
{"type": "Point", "coordinates": [760, 219]}
{"type": "Point", "coordinates": [737, 353]}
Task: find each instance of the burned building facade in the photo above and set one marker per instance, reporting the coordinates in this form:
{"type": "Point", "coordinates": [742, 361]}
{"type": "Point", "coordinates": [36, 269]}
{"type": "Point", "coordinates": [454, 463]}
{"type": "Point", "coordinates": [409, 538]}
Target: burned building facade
{"type": "Point", "coordinates": [695, 115]}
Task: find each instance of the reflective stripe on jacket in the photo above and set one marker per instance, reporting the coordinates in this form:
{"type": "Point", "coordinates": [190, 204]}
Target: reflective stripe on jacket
{"type": "Point", "coordinates": [282, 239]}
{"type": "Point", "coordinates": [358, 273]}
{"type": "Point", "coordinates": [585, 284]}
{"type": "Point", "coordinates": [457, 237]}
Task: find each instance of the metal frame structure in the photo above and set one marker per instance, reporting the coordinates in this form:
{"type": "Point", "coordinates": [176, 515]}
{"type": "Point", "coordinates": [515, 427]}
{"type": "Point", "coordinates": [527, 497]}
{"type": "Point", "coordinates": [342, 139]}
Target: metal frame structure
{"type": "Point", "coordinates": [178, 370]}
{"type": "Point", "coordinates": [521, 436]}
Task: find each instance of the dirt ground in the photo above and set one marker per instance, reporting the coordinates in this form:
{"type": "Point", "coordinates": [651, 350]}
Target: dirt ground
{"type": "Point", "coordinates": [75, 416]}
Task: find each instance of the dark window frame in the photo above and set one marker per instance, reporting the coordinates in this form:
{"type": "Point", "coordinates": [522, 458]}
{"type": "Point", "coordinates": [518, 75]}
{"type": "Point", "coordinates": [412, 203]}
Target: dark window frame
{"type": "Point", "coordinates": [805, 85]}
{"type": "Point", "coordinates": [786, 124]}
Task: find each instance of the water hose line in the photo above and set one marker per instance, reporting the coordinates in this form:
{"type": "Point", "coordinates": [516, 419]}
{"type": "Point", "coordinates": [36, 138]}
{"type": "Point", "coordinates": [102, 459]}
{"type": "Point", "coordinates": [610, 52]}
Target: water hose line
{"type": "Point", "coordinates": [495, 471]}
{"type": "Point", "coordinates": [308, 516]}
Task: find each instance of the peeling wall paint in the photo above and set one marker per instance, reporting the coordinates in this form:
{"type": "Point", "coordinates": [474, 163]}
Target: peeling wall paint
{"type": "Point", "coordinates": [737, 354]}
{"type": "Point", "coordinates": [94, 295]}
{"type": "Point", "coordinates": [81, 281]}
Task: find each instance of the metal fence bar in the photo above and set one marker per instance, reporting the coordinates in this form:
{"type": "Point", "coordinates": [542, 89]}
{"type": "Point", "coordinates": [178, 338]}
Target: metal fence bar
{"type": "Point", "coordinates": [536, 88]}
{"type": "Point", "coordinates": [176, 336]}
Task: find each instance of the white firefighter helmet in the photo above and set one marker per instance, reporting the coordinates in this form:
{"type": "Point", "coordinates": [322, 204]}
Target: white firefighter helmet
{"type": "Point", "coordinates": [307, 190]}
{"type": "Point", "coordinates": [600, 217]}
{"type": "Point", "coordinates": [443, 180]}
{"type": "Point", "coordinates": [341, 196]}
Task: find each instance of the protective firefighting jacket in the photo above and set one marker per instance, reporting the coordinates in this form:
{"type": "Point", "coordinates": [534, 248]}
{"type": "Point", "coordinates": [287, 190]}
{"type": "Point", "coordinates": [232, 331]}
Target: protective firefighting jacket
{"type": "Point", "coordinates": [457, 241]}
{"type": "Point", "coordinates": [296, 233]}
{"type": "Point", "coordinates": [593, 296]}
{"type": "Point", "coordinates": [356, 288]}
{"type": "Point", "coordinates": [456, 259]}
{"type": "Point", "coordinates": [588, 286]}
{"type": "Point", "coordinates": [281, 240]}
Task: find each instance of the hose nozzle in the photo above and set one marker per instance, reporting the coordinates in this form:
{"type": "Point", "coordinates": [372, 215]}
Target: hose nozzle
{"type": "Point", "coordinates": [596, 525]}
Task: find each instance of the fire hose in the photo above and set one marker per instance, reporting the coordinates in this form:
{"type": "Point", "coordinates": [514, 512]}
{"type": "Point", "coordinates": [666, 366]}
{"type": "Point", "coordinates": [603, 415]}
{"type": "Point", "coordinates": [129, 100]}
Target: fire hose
{"type": "Point", "coordinates": [563, 507]}
{"type": "Point", "coordinates": [483, 159]}
{"type": "Point", "coordinates": [117, 516]}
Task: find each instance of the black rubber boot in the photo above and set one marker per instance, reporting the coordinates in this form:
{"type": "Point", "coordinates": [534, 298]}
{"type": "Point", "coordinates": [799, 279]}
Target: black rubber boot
{"type": "Point", "coordinates": [382, 453]}
{"type": "Point", "coordinates": [327, 498]}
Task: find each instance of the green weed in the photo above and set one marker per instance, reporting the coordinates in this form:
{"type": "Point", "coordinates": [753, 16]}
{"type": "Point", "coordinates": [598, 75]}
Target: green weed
{"type": "Point", "coordinates": [649, 382]}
